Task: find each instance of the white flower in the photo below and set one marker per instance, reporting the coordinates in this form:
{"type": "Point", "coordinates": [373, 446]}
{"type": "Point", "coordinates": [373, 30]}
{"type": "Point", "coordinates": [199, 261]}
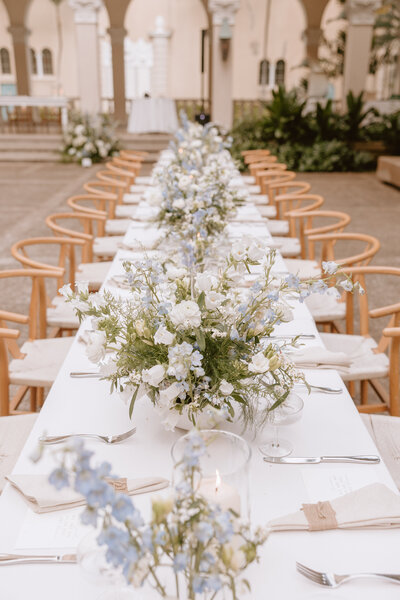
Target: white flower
{"type": "Point", "coordinates": [153, 376]}
{"type": "Point", "coordinates": [179, 203]}
{"type": "Point", "coordinates": [175, 272]}
{"type": "Point", "coordinates": [65, 290]}
{"type": "Point", "coordinates": [256, 251]}
{"type": "Point", "coordinates": [346, 285]}
{"type": "Point", "coordinates": [82, 287]}
{"type": "Point", "coordinates": [140, 327]}
{"type": "Point", "coordinates": [153, 196]}
{"type": "Point", "coordinates": [167, 396]}
{"type": "Point", "coordinates": [226, 388]}
{"type": "Point", "coordinates": [184, 181]}
{"type": "Point", "coordinates": [163, 336]}
{"type": "Point", "coordinates": [286, 313]}
{"type": "Point", "coordinates": [205, 281]}
{"type": "Point", "coordinates": [259, 363]}
{"type": "Point", "coordinates": [329, 267]}
{"type": "Point", "coordinates": [186, 313]}
{"type": "Point", "coordinates": [96, 345]}
{"type": "Point", "coordinates": [214, 300]}
{"type": "Point", "coordinates": [239, 251]}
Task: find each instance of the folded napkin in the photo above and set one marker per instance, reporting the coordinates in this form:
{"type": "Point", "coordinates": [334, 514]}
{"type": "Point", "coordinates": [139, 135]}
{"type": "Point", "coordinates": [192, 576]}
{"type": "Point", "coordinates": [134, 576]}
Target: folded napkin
{"type": "Point", "coordinates": [317, 356]}
{"type": "Point", "coordinates": [42, 497]}
{"type": "Point", "coordinates": [374, 506]}
{"type": "Point", "coordinates": [385, 431]}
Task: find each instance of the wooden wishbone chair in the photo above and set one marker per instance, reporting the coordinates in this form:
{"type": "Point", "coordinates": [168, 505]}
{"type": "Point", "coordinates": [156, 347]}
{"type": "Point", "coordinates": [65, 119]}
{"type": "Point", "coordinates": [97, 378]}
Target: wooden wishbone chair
{"type": "Point", "coordinates": [34, 366]}
{"type": "Point", "coordinates": [273, 181]}
{"type": "Point", "coordinates": [369, 361]}
{"type": "Point", "coordinates": [251, 161]}
{"type": "Point", "coordinates": [264, 163]}
{"type": "Point", "coordinates": [301, 223]}
{"type": "Point", "coordinates": [135, 155]}
{"type": "Point", "coordinates": [122, 170]}
{"type": "Point", "coordinates": [85, 226]}
{"type": "Point", "coordinates": [293, 188]}
{"type": "Point", "coordinates": [284, 204]}
{"type": "Point", "coordinates": [129, 176]}
{"type": "Point", "coordinates": [129, 165]}
{"type": "Point", "coordinates": [109, 189]}
{"type": "Point", "coordinates": [255, 152]}
{"type": "Point", "coordinates": [59, 314]}
{"type": "Point", "coordinates": [102, 207]}
{"type": "Point", "coordinates": [126, 199]}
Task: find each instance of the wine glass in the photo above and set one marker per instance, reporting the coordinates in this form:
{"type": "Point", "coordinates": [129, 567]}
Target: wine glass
{"type": "Point", "coordinates": [287, 413]}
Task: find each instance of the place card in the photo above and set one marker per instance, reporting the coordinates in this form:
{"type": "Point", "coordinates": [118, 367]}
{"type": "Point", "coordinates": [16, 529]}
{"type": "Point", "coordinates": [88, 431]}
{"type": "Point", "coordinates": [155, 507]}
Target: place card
{"type": "Point", "coordinates": [326, 484]}
{"type": "Point", "coordinates": [55, 530]}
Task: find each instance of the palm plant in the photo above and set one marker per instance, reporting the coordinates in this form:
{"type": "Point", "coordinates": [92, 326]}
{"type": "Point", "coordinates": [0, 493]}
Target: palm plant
{"type": "Point", "coordinates": [355, 116]}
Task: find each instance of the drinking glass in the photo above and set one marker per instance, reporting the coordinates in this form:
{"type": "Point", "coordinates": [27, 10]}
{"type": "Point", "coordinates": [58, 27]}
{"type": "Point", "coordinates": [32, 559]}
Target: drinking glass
{"type": "Point", "coordinates": [287, 413]}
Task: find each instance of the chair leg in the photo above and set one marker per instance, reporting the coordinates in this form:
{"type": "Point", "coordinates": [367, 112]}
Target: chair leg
{"type": "Point", "coordinates": [33, 398]}
{"type": "Point", "coordinates": [364, 391]}
{"type": "Point", "coordinates": [352, 388]}
{"type": "Point", "coordinates": [40, 397]}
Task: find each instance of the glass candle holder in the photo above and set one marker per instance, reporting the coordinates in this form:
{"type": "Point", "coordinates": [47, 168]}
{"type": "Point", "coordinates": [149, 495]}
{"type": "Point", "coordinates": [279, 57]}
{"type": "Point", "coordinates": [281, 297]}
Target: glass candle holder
{"type": "Point", "coordinates": [224, 469]}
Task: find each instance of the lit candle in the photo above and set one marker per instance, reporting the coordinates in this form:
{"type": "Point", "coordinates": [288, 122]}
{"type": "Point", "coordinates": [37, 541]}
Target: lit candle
{"type": "Point", "coordinates": [218, 492]}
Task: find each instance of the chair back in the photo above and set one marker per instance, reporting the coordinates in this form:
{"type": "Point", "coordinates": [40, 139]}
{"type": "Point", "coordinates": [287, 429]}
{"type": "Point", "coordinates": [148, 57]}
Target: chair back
{"type": "Point", "coordinates": [118, 170]}
{"type": "Point", "coordinates": [302, 226]}
{"type": "Point", "coordinates": [257, 164]}
{"type": "Point", "coordinates": [109, 189]}
{"type": "Point", "coordinates": [331, 241]}
{"type": "Point", "coordinates": [66, 261]}
{"type": "Point", "coordinates": [85, 229]}
{"type": "Point", "coordinates": [135, 155]}
{"type": "Point", "coordinates": [276, 179]}
{"type": "Point", "coordinates": [97, 206]}
{"type": "Point", "coordinates": [130, 165]}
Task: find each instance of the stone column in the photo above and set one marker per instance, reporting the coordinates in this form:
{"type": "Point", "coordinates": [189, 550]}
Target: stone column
{"type": "Point", "coordinates": [117, 35]}
{"type": "Point", "coordinates": [19, 34]}
{"type": "Point", "coordinates": [361, 17]}
{"type": "Point", "coordinates": [159, 75]}
{"type": "Point", "coordinates": [87, 45]}
{"type": "Point", "coordinates": [223, 12]}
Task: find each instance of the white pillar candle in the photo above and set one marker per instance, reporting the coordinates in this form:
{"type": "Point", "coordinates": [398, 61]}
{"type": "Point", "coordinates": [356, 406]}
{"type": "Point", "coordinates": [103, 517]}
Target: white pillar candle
{"type": "Point", "coordinates": [218, 492]}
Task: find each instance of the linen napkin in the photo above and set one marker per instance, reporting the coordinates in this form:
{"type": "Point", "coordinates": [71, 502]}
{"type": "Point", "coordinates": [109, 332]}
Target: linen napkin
{"type": "Point", "coordinates": [385, 431]}
{"type": "Point", "coordinates": [42, 497]}
{"type": "Point", "coordinates": [317, 356]}
{"type": "Point", "coordinates": [374, 506]}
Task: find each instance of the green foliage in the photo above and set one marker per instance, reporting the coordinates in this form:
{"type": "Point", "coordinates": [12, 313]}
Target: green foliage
{"type": "Point", "coordinates": [321, 140]}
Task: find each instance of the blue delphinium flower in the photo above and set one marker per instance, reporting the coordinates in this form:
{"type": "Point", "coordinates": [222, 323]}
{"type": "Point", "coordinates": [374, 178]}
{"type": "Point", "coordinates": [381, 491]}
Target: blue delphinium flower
{"type": "Point", "coordinates": [204, 531]}
{"type": "Point", "coordinates": [59, 478]}
{"type": "Point", "coordinates": [180, 562]}
{"type": "Point", "coordinates": [122, 507]}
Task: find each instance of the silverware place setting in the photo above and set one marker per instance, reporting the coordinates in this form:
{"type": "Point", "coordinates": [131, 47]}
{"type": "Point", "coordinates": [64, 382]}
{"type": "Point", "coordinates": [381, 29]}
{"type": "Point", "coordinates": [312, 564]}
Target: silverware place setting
{"type": "Point", "coordinates": [332, 580]}
{"type": "Point", "coordinates": [366, 459]}
{"type": "Point", "coordinates": [83, 374]}
{"type": "Point", "coordinates": [107, 439]}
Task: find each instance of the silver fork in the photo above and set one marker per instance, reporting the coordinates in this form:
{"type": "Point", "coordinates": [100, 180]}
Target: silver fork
{"type": "Point", "coordinates": [107, 439]}
{"type": "Point", "coordinates": [333, 580]}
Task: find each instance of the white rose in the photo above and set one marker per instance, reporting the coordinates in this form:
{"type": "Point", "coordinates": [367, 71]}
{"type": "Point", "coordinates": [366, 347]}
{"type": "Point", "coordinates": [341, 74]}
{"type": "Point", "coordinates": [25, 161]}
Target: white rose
{"type": "Point", "coordinates": [205, 281]}
{"type": "Point", "coordinates": [153, 376]}
{"type": "Point", "coordinates": [186, 313]}
{"type": "Point", "coordinates": [96, 346]}
{"type": "Point", "coordinates": [214, 300]}
{"type": "Point", "coordinates": [239, 251]}
{"type": "Point", "coordinates": [175, 272]}
{"type": "Point", "coordinates": [259, 363]}
{"type": "Point", "coordinates": [179, 203]}
{"type": "Point", "coordinates": [255, 252]}
{"type": "Point", "coordinates": [226, 388]}
{"type": "Point", "coordinates": [167, 396]}
{"type": "Point", "coordinates": [163, 336]}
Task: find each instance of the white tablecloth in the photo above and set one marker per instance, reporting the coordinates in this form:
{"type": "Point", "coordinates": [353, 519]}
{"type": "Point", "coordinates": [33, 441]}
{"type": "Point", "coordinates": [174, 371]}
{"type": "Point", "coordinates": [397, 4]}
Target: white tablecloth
{"type": "Point", "coordinates": [330, 425]}
{"type": "Point", "coordinates": [153, 115]}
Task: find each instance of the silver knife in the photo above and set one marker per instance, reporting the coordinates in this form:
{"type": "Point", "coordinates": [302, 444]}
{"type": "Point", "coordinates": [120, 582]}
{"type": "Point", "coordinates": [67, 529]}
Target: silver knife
{"type": "Point", "coordinates": [368, 459]}
{"type": "Point", "coordinates": [27, 559]}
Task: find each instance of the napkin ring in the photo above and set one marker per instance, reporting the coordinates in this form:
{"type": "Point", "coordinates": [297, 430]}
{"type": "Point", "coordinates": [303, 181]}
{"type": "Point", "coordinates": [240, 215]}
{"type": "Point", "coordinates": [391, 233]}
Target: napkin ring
{"type": "Point", "coordinates": [320, 516]}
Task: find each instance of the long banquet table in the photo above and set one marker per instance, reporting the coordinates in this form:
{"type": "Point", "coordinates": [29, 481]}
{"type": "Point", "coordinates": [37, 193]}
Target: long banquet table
{"type": "Point", "coordinates": [330, 425]}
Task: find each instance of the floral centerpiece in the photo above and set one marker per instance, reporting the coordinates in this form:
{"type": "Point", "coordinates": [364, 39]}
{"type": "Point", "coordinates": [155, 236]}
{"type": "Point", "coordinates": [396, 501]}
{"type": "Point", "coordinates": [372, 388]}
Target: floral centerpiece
{"type": "Point", "coordinates": [196, 343]}
{"type": "Point", "coordinates": [89, 137]}
{"type": "Point", "coordinates": [203, 547]}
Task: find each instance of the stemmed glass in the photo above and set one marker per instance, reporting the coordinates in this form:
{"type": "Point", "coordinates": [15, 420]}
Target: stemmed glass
{"type": "Point", "coordinates": [287, 413]}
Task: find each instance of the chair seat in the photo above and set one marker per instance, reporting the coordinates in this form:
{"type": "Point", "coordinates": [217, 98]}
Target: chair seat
{"type": "Point", "coordinates": [365, 363]}
{"type": "Point", "coordinates": [247, 179]}
{"type": "Point", "coordinates": [287, 246]}
{"type": "Point", "coordinates": [254, 189]}
{"type": "Point", "coordinates": [325, 308]}
{"type": "Point", "coordinates": [42, 362]}
{"type": "Point", "coordinates": [107, 246]}
{"type": "Point", "coordinates": [144, 180]}
{"type": "Point", "coordinates": [132, 198]}
{"type": "Point", "coordinates": [304, 269]}
{"type": "Point", "coordinates": [117, 226]}
{"type": "Point", "coordinates": [61, 314]}
{"type": "Point", "coordinates": [94, 273]}
{"type": "Point", "coordinates": [259, 198]}
{"type": "Point", "coordinates": [268, 211]}
{"type": "Point", "coordinates": [123, 211]}
{"type": "Point", "coordinates": [138, 189]}
{"type": "Point", "coordinates": [14, 432]}
{"type": "Point", "coordinates": [277, 227]}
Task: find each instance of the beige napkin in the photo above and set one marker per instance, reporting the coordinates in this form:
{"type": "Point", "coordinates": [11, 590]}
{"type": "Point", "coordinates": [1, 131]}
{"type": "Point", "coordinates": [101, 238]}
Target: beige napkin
{"type": "Point", "coordinates": [374, 506]}
{"type": "Point", "coordinates": [42, 497]}
{"type": "Point", "coordinates": [385, 431]}
{"type": "Point", "coordinates": [317, 356]}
